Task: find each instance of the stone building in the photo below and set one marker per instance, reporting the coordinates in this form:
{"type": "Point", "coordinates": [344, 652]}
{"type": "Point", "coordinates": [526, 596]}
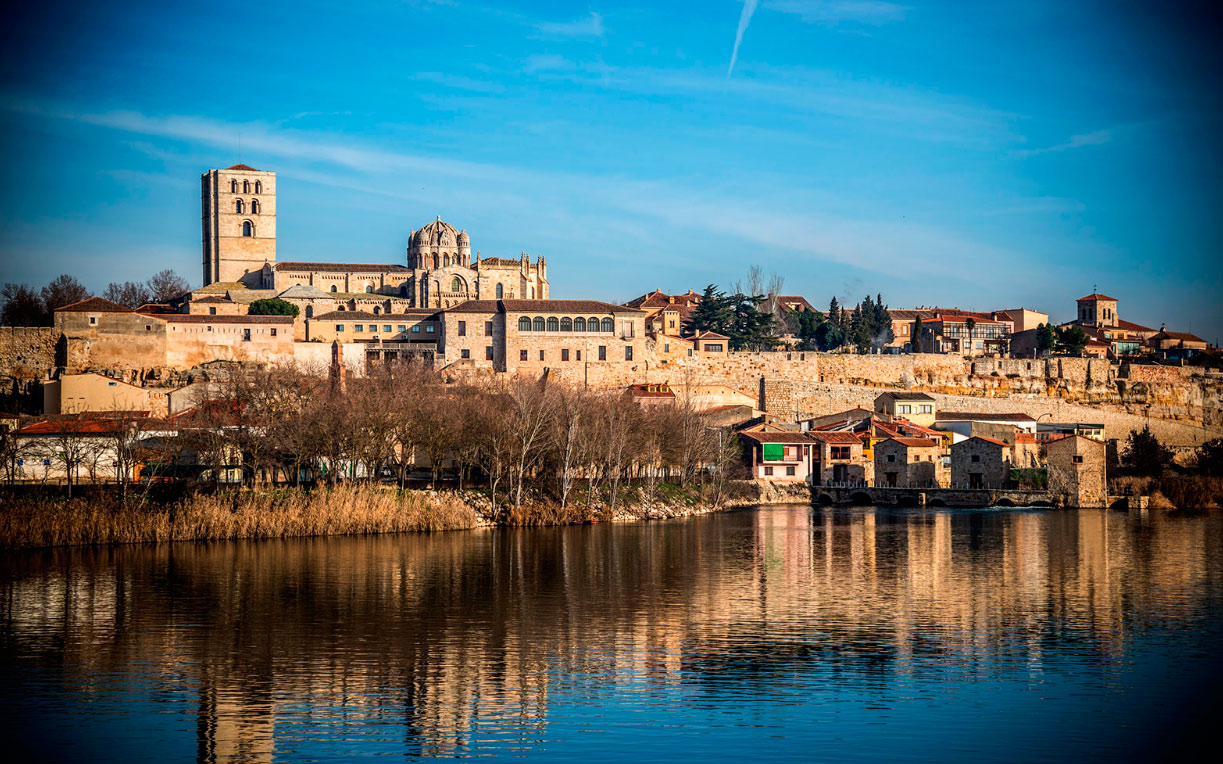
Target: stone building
{"type": "Point", "coordinates": [908, 463]}
{"type": "Point", "coordinates": [238, 212]}
{"type": "Point", "coordinates": [837, 458]}
{"type": "Point", "coordinates": [97, 333]}
{"type": "Point", "coordinates": [76, 393]}
{"type": "Point", "coordinates": [918, 408]}
{"type": "Point", "coordinates": [777, 456]}
{"type": "Point", "coordinates": [538, 335]}
{"type": "Point", "coordinates": [1077, 471]}
{"type": "Point", "coordinates": [980, 463]}
{"type": "Point", "coordinates": [238, 217]}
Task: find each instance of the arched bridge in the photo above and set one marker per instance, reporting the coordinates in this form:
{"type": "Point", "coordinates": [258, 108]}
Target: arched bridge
{"type": "Point", "coordinates": [932, 497]}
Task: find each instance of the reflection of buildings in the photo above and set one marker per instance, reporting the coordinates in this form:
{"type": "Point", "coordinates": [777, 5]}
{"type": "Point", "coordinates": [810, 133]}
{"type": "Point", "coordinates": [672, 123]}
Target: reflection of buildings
{"type": "Point", "coordinates": [439, 645]}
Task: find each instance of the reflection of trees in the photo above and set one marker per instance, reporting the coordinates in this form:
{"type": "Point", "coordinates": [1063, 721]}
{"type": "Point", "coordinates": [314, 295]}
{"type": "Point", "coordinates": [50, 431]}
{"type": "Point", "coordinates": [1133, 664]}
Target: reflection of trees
{"type": "Point", "coordinates": [437, 640]}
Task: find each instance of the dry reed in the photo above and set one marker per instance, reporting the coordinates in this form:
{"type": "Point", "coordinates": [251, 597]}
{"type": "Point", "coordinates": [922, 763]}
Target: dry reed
{"type": "Point", "coordinates": [40, 522]}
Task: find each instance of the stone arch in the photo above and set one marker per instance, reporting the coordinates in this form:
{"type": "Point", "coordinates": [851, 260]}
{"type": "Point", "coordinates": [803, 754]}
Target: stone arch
{"type": "Point", "coordinates": [524, 324]}
{"type": "Point", "coordinates": [860, 497]}
{"type": "Point", "coordinates": [1003, 502]}
{"type": "Point", "coordinates": [823, 500]}
{"type": "Point", "coordinates": [936, 503]}
{"type": "Point", "coordinates": [1122, 503]}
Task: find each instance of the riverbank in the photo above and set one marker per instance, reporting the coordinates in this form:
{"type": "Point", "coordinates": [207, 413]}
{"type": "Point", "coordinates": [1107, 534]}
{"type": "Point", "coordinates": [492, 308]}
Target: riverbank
{"type": "Point", "coordinates": [39, 521]}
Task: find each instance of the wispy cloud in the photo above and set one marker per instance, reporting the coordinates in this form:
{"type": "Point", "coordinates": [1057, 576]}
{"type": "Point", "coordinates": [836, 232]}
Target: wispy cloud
{"type": "Point", "coordinates": [745, 18]}
{"type": "Point", "coordinates": [794, 225]}
{"type": "Point", "coordinates": [586, 27]}
{"type": "Point", "coordinates": [547, 62]}
{"type": "Point", "coordinates": [1094, 138]}
{"type": "Point", "coordinates": [837, 11]}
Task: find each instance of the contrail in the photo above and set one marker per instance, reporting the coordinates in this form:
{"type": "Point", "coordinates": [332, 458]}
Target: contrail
{"type": "Point", "coordinates": [745, 18]}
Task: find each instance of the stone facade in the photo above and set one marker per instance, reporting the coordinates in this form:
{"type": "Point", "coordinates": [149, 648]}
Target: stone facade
{"type": "Point", "coordinates": [238, 218]}
{"type": "Point", "coordinates": [538, 336]}
{"type": "Point", "coordinates": [1077, 471]}
{"type": "Point", "coordinates": [908, 463]}
{"type": "Point", "coordinates": [441, 273]}
{"type": "Point", "coordinates": [980, 463]}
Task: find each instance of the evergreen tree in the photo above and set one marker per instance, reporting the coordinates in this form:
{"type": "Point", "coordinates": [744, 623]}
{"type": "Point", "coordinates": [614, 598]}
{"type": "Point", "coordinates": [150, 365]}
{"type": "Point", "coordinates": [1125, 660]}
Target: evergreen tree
{"type": "Point", "coordinates": [834, 312]}
{"type": "Point", "coordinates": [272, 306]}
{"type": "Point", "coordinates": [1046, 339]}
{"type": "Point", "coordinates": [828, 336]}
{"type": "Point", "coordinates": [751, 328]}
{"type": "Point", "coordinates": [714, 313]}
{"type": "Point", "coordinates": [1144, 454]}
{"type": "Point", "coordinates": [915, 337]}
{"type": "Point", "coordinates": [808, 322]}
{"type": "Point", "coordinates": [1071, 340]}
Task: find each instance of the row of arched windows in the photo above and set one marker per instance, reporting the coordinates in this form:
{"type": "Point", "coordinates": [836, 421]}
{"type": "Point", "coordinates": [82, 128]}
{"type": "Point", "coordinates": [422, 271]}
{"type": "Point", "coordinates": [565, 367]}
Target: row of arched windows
{"type": "Point", "coordinates": [240, 206]}
{"type": "Point", "coordinates": [246, 187]}
{"type": "Point", "coordinates": [566, 324]}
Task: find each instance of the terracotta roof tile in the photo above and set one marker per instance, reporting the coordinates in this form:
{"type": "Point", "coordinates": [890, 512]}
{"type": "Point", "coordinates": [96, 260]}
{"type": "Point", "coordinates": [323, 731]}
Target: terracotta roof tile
{"type": "Point", "coordinates": [94, 305]}
{"type": "Point", "coordinates": [1096, 296]}
{"type": "Point", "coordinates": [339, 267]}
{"type": "Point", "coordinates": [241, 167]}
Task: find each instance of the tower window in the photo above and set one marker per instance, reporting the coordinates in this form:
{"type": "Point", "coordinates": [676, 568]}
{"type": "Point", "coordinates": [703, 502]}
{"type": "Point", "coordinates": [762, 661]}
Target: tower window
{"type": "Point", "coordinates": [254, 206]}
{"type": "Point", "coordinates": [333, 288]}
{"type": "Point", "coordinates": [238, 206]}
{"type": "Point", "coordinates": [233, 186]}
{"type": "Point", "coordinates": [246, 186]}
{"type": "Point", "coordinates": [258, 187]}
{"type": "Point", "coordinates": [247, 228]}
{"type": "Point", "coordinates": [369, 288]}
{"type": "Point", "coordinates": [500, 291]}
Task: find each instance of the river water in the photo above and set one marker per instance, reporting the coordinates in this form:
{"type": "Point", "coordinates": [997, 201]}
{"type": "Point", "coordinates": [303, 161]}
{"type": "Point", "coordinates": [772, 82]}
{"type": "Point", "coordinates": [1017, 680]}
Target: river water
{"type": "Point", "coordinates": [780, 633]}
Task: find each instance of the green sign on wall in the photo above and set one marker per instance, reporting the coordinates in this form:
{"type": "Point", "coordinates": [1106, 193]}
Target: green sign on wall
{"type": "Point", "coordinates": [774, 452]}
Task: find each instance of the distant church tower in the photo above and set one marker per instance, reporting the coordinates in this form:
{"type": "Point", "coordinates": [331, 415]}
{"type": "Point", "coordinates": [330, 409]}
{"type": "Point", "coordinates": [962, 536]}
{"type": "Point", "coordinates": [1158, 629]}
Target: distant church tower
{"type": "Point", "coordinates": [239, 223]}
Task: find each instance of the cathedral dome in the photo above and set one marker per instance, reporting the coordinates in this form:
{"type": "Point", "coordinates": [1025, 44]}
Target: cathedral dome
{"type": "Point", "coordinates": [437, 233]}
{"type": "Point", "coordinates": [463, 240]}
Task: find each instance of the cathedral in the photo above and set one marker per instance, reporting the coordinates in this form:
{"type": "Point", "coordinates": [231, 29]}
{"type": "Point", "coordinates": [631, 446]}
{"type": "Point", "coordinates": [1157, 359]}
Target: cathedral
{"type": "Point", "coordinates": [239, 236]}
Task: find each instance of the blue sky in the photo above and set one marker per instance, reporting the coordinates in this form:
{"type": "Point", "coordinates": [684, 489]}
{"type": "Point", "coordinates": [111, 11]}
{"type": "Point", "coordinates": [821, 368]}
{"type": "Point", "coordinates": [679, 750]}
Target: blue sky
{"type": "Point", "coordinates": [982, 155]}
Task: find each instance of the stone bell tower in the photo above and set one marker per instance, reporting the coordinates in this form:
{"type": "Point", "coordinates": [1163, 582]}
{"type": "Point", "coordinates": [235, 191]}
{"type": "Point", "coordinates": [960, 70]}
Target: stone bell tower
{"type": "Point", "coordinates": [238, 217]}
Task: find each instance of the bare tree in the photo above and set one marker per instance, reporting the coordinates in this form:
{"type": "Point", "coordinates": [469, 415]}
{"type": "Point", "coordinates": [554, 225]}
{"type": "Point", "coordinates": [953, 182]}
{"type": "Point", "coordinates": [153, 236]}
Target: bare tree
{"type": "Point", "coordinates": [529, 408]}
{"type": "Point", "coordinates": [129, 294]}
{"type": "Point", "coordinates": [569, 416]}
{"type": "Point", "coordinates": [165, 285]}
{"type": "Point", "coordinates": [63, 290]}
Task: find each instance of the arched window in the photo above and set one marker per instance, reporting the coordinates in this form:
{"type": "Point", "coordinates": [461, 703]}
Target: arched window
{"type": "Point", "coordinates": [608, 325]}
{"type": "Point", "coordinates": [309, 311]}
{"type": "Point", "coordinates": [233, 186]}
{"type": "Point", "coordinates": [500, 291]}
{"type": "Point", "coordinates": [247, 228]}
{"type": "Point", "coordinates": [258, 187]}
{"type": "Point", "coordinates": [538, 324]}
{"type": "Point", "coordinates": [246, 186]}
{"type": "Point", "coordinates": [553, 324]}
{"type": "Point", "coordinates": [566, 324]}
{"type": "Point", "coordinates": [435, 261]}
{"type": "Point", "coordinates": [238, 206]}
{"type": "Point", "coordinates": [524, 324]}
{"type": "Point", "coordinates": [592, 324]}
{"type": "Point", "coordinates": [333, 288]}
{"type": "Point", "coordinates": [456, 285]}
{"type": "Point", "coordinates": [377, 310]}
{"type": "Point", "coordinates": [579, 324]}
{"type": "Point", "coordinates": [369, 288]}
{"type": "Point", "coordinates": [254, 206]}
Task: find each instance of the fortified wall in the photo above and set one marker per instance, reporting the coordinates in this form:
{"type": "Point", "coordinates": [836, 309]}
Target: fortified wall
{"type": "Point", "coordinates": [789, 382]}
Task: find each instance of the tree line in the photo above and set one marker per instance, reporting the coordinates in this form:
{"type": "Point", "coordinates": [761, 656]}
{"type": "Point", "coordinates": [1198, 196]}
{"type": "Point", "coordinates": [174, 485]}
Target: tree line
{"type": "Point", "coordinates": [521, 440]}
{"type": "Point", "coordinates": [22, 305]}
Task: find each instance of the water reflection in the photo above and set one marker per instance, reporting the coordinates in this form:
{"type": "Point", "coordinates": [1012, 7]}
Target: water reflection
{"type": "Point", "coordinates": [533, 641]}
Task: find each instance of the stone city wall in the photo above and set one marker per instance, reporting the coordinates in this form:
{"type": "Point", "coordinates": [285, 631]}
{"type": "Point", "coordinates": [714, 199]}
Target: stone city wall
{"type": "Point", "coordinates": [27, 352]}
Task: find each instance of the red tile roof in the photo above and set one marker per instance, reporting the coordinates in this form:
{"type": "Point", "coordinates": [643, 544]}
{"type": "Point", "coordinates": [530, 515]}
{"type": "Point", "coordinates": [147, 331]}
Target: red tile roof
{"type": "Point", "coordinates": [1123, 324]}
{"type": "Point", "coordinates": [73, 427]}
{"type": "Point", "coordinates": [242, 167]}
{"type": "Point", "coordinates": [987, 440]}
{"type": "Point", "coordinates": [183, 318]}
{"type": "Point", "coordinates": [776, 437]}
{"type": "Point", "coordinates": [834, 437]}
{"type": "Point", "coordinates": [339, 267]}
{"type": "Point", "coordinates": [914, 442]}
{"type": "Point", "coordinates": [1096, 296]}
{"type": "Point", "coordinates": [94, 305]}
